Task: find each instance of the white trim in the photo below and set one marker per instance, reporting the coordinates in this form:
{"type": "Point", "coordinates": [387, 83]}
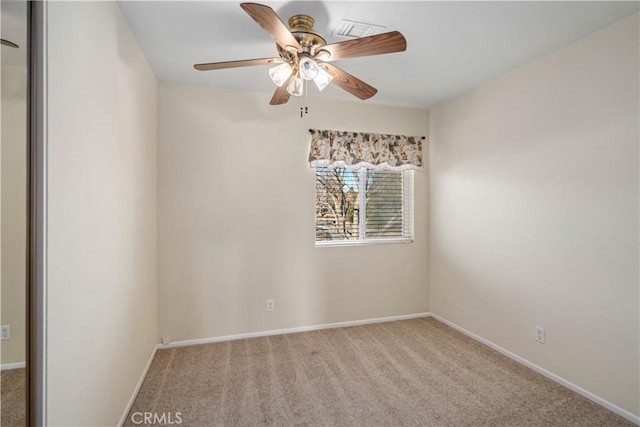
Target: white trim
{"type": "Point", "coordinates": [16, 365]}
{"type": "Point", "coordinates": [589, 395]}
{"type": "Point", "coordinates": [291, 330]}
{"type": "Point", "coordinates": [363, 242]}
{"type": "Point", "coordinates": [136, 390]}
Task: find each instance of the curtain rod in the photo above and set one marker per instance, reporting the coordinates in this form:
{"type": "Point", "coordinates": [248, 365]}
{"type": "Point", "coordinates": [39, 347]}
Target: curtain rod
{"type": "Point", "coordinates": [422, 137]}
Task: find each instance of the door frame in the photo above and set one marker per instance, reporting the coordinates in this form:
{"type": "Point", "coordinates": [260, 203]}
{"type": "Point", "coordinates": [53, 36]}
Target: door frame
{"type": "Point", "coordinates": [35, 410]}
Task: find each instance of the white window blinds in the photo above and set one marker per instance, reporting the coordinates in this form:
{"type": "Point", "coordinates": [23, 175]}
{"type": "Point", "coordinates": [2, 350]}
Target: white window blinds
{"type": "Point", "coordinates": [363, 205]}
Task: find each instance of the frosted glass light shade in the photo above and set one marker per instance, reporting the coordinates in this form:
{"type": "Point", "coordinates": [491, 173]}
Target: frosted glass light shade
{"type": "Point", "coordinates": [280, 74]}
{"type": "Point", "coordinates": [322, 55]}
{"type": "Point", "coordinates": [308, 68]}
{"type": "Point", "coordinates": [323, 78]}
{"type": "Point", "coordinates": [296, 88]}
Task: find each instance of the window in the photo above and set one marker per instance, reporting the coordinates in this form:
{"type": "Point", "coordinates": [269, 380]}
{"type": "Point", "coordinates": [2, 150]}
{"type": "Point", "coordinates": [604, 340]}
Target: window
{"type": "Point", "coordinates": [360, 206]}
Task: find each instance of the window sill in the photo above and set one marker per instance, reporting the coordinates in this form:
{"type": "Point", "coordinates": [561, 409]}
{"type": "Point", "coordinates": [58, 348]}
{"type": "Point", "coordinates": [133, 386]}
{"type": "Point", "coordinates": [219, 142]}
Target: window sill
{"type": "Point", "coordinates": [367, 242]}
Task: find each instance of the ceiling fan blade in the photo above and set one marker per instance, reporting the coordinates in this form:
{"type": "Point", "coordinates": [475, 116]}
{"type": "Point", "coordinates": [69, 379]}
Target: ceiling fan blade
{"type": "Point", "coordinates": [8, 43]}
{"type": "Point", "coordinates": [236, 64]}
{"type": "Point", "coordinates": [351, 84]}
{"type": "Point", "coordinates": [281, 96]}
{"type": "Point", "coordinates": [364, 46]}
{"type": "Point", "coordinates": [271, 23]}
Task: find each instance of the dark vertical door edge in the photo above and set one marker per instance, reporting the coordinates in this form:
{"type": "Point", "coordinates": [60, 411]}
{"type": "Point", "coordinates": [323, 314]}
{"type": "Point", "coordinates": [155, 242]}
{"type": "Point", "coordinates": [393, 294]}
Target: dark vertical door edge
{"type": "Point", "coordinates": [35, 413]}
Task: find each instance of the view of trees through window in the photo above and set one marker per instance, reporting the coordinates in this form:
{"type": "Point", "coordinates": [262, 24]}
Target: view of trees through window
{"type": "Point", "coordinates": [338, 207]}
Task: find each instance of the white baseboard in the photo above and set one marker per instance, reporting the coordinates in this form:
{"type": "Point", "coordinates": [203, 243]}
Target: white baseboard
{"type": "Point", "coordinates": [597, 399]}
{"type": "Point", "coordinates": [290, 330]}
{"type": "Point", "coordinates": [137, 389]}
{"type": "Point", "coordinates": [16, 365]}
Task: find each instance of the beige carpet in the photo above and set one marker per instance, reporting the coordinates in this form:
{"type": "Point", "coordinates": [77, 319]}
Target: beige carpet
{"type": "Point", "coordinates": [415, 372]}
{"type": "Point", "coordinates": [12, 397]}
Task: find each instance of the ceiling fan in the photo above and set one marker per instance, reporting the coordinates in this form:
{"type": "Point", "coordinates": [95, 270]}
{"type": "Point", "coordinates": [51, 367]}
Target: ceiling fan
{"type": "Point", "coordinates": [8, 43]}
{"type": "Point", "coordinates": [305, 55]}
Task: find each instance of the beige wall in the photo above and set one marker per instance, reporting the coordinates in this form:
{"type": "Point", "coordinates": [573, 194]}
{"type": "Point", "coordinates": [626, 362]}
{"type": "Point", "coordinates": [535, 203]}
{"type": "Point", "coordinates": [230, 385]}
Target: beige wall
{"type": "Point", "coordinates": [14, 210]}
{"type": "Point", "coordinates": [236, 218]}
{"type": "Point", "coordinates": [102, 263]}
{"type": "Point", "coordinates": [534, 212]}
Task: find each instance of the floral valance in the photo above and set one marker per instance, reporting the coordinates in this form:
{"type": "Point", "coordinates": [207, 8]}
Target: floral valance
{"type": "Point", "coordinates": [335, 148]}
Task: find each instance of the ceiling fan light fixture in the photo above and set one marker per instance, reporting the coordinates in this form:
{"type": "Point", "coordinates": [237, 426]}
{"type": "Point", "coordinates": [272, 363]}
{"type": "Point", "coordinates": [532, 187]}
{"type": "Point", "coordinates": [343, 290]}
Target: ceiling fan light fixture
{"type": "Point", "coordinates": [308, 68]}
{"type": "Point", "coordinates": [323, 78]}
{"type": "Point", "coordinates": [304, 54]}
{"type": "Point", "coordinates": [280, 74]}
{"type": "Point", "coordinates": [322, 55]}
{"type": "Point", "coordinates": [296, 87]}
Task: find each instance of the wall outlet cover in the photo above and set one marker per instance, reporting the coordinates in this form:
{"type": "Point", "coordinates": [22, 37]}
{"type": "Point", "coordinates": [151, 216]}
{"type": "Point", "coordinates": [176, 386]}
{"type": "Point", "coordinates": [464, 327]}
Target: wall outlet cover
{"type": "Point", "coordinates": [5, 332]}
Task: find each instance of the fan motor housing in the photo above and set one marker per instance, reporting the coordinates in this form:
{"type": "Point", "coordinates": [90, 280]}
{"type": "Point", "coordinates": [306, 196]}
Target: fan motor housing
{"type": "Point", "coordinates": [301, 26]}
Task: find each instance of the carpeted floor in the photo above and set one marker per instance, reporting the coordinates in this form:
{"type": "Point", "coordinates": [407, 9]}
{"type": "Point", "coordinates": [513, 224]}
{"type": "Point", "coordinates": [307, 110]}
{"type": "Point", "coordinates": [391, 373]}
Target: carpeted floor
{"type": "Point", "coordinates": [413, 372]}
{"type": "Point", "coordinates": [12, 397]}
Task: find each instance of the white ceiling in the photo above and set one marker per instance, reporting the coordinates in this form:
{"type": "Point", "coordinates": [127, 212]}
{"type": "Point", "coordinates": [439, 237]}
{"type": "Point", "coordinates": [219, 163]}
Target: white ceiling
{"type": "Point", "coordinates": [452, 46]}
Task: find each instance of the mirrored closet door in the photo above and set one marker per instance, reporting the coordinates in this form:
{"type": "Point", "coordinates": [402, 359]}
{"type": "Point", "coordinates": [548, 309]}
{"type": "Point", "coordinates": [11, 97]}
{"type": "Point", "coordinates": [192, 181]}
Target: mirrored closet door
{"type": "Point", "coordinates": [13, 212]}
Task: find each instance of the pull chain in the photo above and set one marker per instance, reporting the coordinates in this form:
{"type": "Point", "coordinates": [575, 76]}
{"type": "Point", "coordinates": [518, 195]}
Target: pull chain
{"type": "Point", "coordinates": [304, 110]}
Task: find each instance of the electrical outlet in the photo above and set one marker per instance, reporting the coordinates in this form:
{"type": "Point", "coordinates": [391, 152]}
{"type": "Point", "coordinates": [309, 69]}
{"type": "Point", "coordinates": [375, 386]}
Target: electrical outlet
{"type": "Point", "coordinates": [540, 334]}
{"type": "Point", "coordinates": [5, 332]}
{"type": "Point", "coordinates": [166, 339]}
{"type": "Point", "coordinates": [270, 305]}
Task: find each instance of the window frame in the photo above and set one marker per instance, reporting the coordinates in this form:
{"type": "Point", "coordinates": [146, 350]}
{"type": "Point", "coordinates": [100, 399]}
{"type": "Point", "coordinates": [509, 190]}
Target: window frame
{"type": "Point", "coordinates": [407, 210]}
